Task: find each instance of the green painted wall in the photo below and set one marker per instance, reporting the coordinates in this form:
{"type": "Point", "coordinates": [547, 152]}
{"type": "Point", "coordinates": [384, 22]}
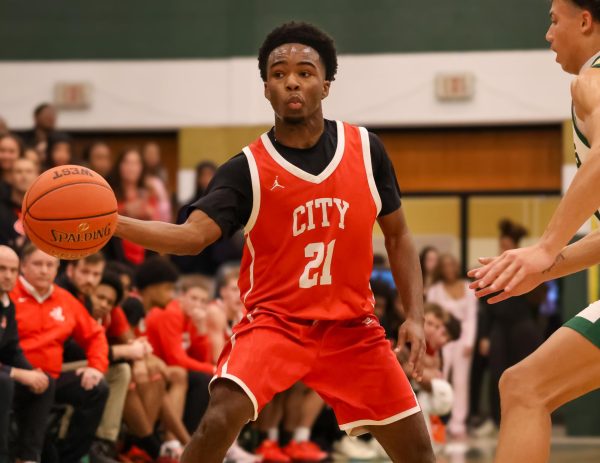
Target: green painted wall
{"type": "Point", "coordinates": [149, 29]}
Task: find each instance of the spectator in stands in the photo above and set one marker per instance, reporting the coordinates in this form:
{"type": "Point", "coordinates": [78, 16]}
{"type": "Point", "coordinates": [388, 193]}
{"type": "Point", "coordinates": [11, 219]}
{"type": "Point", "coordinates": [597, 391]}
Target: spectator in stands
{"type": "Point", "coordinates": [452, 293]}
{"type": "Point", "coordinates": [11, 148]}
{"type": "Point", "coordinates": [386, 309]}
{"type": "Point", "coordinates": [155, 280]}
{"type": "Point", "coordinates": [29, 391]}
{"type": "Point", "coordinates": [44, 117]}
{"type": "Point", "coordinates": [59, 151]}
{"type": "Point", "coordinates": [33, 156]}
{"type": "Point", "coordinates": [123, 348]}
{"type": "Point", "coordinates": [157, 182]}
{"type": "Point", "coordinates": [82, 277]}
{"type": "Point", "coordinates": [98, 157]}
{"type": "Point", "coordinates": [185, 327]}
{"type": "Point", "coordinates": [428, 258]}
{"type": "Point", "coordinates": [127, 179]}
{"type": "Point", "coordinates": [12, 234]}
{"type": "Point", "coordinates": [510, 331]}
{"type": "Point", "coordinates": [152, 160]}
{"type": "Point", "coordinates": [230, 300]}
{"type": "Point", "coordinates": [205, 171]}
{"type": "Point", "coordinates": [47, 316]}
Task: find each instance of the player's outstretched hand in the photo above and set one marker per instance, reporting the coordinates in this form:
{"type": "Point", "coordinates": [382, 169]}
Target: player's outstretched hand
{"type": "Point", "coordinates": [411, 331]}
{"type": "Point", "coordinates": [515, 272]}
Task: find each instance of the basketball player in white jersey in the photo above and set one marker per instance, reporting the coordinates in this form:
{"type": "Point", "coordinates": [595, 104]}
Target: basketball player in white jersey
{"type": "Point", "coordinates": [567, 365]}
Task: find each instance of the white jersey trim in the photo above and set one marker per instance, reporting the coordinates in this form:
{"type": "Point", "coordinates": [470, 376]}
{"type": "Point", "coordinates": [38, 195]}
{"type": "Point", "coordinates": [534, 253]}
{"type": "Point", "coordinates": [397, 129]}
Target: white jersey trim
{"type": "Point", "coordinates": [292, 169]}
{"type": "Point", "coordinates": [253, 256]}
{"type": "Point", "coordinates": [255, 189]}
{"type": "Point", "coordinates": [366, 151]}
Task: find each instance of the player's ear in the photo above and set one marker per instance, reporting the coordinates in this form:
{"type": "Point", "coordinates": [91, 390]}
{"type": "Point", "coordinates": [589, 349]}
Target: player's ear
{"type": "Point", "coordinates": [325, 93]}
{"type": "Point", "coordinates": [587, 21]}
{"type": "Point", "coordinates": [267, 92]}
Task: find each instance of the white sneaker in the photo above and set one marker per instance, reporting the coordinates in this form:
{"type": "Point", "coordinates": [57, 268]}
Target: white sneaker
{"type": "Point", "coordinates": [350, 448]}
{"type": "Point", "coordinates": [381, 453]}
{"type": "Point", "coordinates": [237, 454]}
{"type": "Point", "coordinates": [486, 429]}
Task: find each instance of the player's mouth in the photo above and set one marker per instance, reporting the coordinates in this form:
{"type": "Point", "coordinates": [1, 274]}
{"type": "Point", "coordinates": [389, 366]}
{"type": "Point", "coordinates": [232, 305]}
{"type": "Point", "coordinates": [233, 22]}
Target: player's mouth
{"type": "Point", "coordinates": [294, 102]}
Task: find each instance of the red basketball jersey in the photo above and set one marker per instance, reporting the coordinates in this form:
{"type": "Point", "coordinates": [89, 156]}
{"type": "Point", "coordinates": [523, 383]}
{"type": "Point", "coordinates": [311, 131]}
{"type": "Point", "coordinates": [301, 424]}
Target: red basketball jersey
{"type": "Point", "coordinates": [309, 239]}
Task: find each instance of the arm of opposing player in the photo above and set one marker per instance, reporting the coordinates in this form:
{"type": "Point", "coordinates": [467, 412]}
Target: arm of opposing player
{"type": "Point", "coordinates": [573, 258]}
{"type": "Point", "coordinates": [582, 198]}
{"type": "Point", "coordinates": [191, 237]}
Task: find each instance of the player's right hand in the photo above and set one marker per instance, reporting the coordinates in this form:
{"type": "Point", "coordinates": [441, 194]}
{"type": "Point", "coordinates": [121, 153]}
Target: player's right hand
{"type": "Point", "coordinates": [412, 332]}
{"type": "Point", "coordinates": [528, 283]}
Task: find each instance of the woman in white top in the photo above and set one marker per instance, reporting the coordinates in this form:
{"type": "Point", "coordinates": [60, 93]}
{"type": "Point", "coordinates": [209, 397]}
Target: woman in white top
{"type": "Point", "coordinates": [452, 293]}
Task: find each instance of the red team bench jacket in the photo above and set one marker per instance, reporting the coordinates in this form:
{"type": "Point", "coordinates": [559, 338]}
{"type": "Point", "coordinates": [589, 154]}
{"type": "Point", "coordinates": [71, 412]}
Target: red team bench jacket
{"type": "Point", "coordinates": [166, 329]}
{"type": "Point", "coordinates": [46, 323]}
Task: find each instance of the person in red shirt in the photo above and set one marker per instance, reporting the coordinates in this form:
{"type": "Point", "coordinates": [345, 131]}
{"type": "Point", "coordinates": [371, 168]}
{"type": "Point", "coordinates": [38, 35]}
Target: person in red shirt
{"type": "Point", "coordinates": [308, 194]}
{"type": "Point", "coordinates": [47, 316]}
{"type": "Point", "coordinates": [172, 329]}
{"type": "Point", "coordinates": [28, 392]}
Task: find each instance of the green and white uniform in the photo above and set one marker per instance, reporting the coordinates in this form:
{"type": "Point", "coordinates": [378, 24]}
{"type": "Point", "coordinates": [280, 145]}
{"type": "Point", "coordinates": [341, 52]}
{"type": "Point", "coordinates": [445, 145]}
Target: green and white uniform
{"type": "Point", "coordinates": [586, 322]}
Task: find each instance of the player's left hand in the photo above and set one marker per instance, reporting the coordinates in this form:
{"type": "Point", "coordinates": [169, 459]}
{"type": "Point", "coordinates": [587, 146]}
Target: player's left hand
{"type": "Point", "coordinates": [411, 331]}
{"type": "Point", "coordinates": [509, 271]}
{"type": "Point", "coordinates": [90, 377]}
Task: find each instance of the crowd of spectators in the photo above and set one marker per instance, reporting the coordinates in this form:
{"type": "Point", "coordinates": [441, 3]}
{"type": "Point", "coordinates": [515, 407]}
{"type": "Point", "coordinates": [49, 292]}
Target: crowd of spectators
{"type": "Point", "coordinates": [110, 357]}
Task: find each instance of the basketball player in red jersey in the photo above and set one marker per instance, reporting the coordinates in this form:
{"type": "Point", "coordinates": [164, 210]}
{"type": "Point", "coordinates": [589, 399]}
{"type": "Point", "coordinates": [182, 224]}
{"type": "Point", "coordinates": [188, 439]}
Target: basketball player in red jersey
{"type": "Point", "coordinates": [308, 193]}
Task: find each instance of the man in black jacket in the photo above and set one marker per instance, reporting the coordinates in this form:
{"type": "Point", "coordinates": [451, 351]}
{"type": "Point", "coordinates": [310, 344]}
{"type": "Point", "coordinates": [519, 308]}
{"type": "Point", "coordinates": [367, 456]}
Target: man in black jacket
{"type": "Point", "coordinates": [30, 392]}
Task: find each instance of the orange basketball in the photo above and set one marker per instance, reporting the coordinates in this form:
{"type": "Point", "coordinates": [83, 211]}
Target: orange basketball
{"type": "Point", "coordinates": [69, 212]}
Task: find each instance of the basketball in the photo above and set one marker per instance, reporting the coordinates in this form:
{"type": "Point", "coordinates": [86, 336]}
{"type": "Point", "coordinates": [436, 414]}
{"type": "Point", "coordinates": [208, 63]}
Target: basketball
{"type": "Point", "coordinates": [69, 212]}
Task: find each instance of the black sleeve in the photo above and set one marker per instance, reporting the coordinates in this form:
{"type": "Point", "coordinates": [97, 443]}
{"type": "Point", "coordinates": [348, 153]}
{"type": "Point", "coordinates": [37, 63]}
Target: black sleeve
{"type": "Point", "coordinates": [385, 177]}
{"type": "Point", "coordinates": [228, 198]}
{"type": "Point", "coordinates": [11, 353]}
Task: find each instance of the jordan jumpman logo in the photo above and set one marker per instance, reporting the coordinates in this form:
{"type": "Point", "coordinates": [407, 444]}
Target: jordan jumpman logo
{"type": "Point", "coordinates": [276, 183]}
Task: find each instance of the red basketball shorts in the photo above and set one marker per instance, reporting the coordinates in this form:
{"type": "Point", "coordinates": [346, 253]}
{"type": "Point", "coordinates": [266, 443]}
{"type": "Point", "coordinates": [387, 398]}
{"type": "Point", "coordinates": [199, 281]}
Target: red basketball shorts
{"type": "Point", "coordinates": [349, 363]}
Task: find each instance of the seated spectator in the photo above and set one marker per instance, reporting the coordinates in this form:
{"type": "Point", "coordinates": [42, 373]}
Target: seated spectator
{"type": "Point", "coordinates": [29, 391]}
{"type": "Point", "coordinates": [155, 280]}
{"type": "Point", "coordinates": [152, 159]}
{"type": "Point", "coordinates": [98, 157]}
{"type": "Point", "coordinates": [82, 276]}
{"type": "Point", "coordinates": [122, 348]}
{"type": "Point", "coordinates": [11, 148]}
{"type": "Point", "coordinates": [47, 316]}
{"type": "Point", "coordinates": [183, 327]}
{"type": "Point", "coordinates": [59, 151]}
{"type": "Point", "coordinates": [205, 171]}
{"type": "Point", "coordinates": [172, 329]}
{"type": "Point", "coordinates": [230, 301]}
{"type": "Point", "coordinates": [44, 117]}
{"type": "Point", "coordinates": [127, 178]}
{"type": "Point", "coordinates": [12, 234]}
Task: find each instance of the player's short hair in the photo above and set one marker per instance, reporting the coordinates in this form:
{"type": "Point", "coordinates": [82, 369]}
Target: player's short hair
{"type": "Point", "coordinates": [306, 34]}
{"type": "Point", "coordinates": [154, 271]}
{"type": "Point", "coordinates": [593, 6]}
{"type": "Point", "coordinates": [113, 280]}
